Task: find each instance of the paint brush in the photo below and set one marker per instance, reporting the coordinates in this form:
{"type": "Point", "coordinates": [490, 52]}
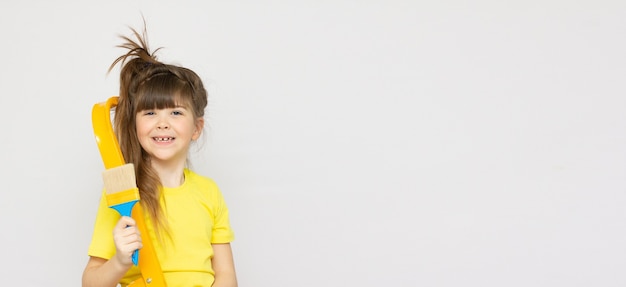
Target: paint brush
{"type": "Point", "coordinates": [121, 192]}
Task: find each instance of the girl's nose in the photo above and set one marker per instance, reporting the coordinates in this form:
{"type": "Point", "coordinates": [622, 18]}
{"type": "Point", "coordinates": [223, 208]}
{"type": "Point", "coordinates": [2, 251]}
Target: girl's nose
{"type": "Point", "coordinates": [162, 124]}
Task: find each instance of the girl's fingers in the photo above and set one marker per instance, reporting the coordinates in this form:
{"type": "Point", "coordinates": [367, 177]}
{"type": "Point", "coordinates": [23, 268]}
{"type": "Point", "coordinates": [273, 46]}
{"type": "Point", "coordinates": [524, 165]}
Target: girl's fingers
{"type": "Point", "coordinates": [126, 236]}
{"type": "Point", "coordinates": [125, 221]}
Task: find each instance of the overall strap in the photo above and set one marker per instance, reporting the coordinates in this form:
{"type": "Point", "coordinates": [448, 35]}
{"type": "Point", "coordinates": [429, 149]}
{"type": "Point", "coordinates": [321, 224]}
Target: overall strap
{"type": "Point", "coordinates": [151, 273]}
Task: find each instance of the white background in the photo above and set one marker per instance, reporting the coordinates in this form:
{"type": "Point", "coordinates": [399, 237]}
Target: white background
{"type": "Point", "coordinates": [357, 143]}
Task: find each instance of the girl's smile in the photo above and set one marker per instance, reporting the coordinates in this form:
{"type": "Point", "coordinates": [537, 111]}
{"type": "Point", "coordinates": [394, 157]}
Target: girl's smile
{"type": "Point", "coordinates": [163, 139]}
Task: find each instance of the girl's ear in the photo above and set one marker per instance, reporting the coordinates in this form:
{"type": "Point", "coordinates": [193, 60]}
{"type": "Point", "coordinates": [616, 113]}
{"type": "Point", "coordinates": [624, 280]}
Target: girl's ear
{"type": "Point", "coordinates": [199, 127]}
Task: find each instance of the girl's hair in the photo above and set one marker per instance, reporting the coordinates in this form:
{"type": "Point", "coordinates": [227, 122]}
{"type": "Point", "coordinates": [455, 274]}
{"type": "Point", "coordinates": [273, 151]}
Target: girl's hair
{"type": "Point", "coordinates": [146, 83]}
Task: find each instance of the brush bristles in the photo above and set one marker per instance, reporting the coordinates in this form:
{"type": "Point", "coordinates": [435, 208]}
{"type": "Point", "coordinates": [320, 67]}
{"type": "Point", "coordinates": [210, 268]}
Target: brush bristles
{"type": "Point", "coordinates": [118, 179]}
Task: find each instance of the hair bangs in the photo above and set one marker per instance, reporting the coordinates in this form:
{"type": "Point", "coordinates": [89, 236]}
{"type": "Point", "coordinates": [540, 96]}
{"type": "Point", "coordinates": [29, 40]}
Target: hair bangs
{"type": "Point", "coordinates": [162, 92]}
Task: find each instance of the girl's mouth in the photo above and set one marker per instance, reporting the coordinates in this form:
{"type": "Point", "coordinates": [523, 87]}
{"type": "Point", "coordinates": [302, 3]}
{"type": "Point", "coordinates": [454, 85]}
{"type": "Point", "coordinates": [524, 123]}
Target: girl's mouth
{"type": "Point", "coordinates": [163, 139]}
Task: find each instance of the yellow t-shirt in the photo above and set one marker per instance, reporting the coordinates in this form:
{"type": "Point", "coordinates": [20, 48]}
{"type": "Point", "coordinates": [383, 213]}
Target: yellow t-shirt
{"type": "Point", "coordinates": [197, 216]}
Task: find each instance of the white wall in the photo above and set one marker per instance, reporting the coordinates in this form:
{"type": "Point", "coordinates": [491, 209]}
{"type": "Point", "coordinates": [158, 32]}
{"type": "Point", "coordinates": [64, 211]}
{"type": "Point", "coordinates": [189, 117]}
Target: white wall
{"type": "Point", "coordinates": [357, 143]}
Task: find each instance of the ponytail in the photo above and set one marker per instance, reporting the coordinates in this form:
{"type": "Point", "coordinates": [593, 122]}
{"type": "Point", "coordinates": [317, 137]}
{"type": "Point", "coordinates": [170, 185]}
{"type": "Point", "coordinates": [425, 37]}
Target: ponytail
{"type": "Point", "coordinates": [138, 65]}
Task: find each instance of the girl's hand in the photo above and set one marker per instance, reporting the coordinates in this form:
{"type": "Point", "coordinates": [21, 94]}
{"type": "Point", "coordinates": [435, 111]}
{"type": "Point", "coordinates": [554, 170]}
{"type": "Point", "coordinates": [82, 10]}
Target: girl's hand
{"type": "Point", "coordinates": [127, 239]}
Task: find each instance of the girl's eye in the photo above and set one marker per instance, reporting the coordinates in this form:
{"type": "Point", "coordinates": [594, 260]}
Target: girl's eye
{"type": "Point", "coordinates": [148, 113]}
{"type": "Point", "coordinates": [177, 113]}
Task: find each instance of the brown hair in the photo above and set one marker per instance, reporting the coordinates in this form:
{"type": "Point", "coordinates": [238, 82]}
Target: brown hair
{"type": "Point", "coordinates": [146, 83]}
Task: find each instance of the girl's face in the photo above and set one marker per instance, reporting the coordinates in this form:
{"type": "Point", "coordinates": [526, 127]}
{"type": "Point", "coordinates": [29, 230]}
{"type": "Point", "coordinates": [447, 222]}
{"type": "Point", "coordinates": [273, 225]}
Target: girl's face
{"type": "Point", "coordinates": [166, 134]}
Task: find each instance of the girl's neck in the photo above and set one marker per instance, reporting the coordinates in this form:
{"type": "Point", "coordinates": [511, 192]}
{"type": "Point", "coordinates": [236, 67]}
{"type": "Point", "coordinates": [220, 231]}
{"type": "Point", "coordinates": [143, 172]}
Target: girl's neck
{"type": "Point", "coordinates": [171, 176]}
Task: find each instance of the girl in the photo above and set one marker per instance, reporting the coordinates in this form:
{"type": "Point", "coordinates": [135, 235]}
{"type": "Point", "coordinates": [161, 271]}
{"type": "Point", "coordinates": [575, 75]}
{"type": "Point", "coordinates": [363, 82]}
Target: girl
{"type": "Point", "coordinates": [159, 114]}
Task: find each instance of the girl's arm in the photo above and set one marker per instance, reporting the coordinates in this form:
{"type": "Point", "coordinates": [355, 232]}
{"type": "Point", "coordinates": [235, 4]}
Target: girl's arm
{"type": "Point", "coordinates": [224, 266]}
{"type": "Point", "coordinates": [101, 272]}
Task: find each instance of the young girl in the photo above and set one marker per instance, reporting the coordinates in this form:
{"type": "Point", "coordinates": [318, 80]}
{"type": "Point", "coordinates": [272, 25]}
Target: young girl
{"type": "Point", "coordinates": [159, 114]}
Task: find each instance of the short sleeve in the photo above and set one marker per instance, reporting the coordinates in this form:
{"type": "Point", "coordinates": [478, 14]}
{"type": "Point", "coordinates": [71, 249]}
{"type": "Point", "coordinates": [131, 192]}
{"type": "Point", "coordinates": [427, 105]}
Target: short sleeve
{"type": "Point", "coordinates": [222, 231]}
{"type": "Point", "coordinates": [102, 244]}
